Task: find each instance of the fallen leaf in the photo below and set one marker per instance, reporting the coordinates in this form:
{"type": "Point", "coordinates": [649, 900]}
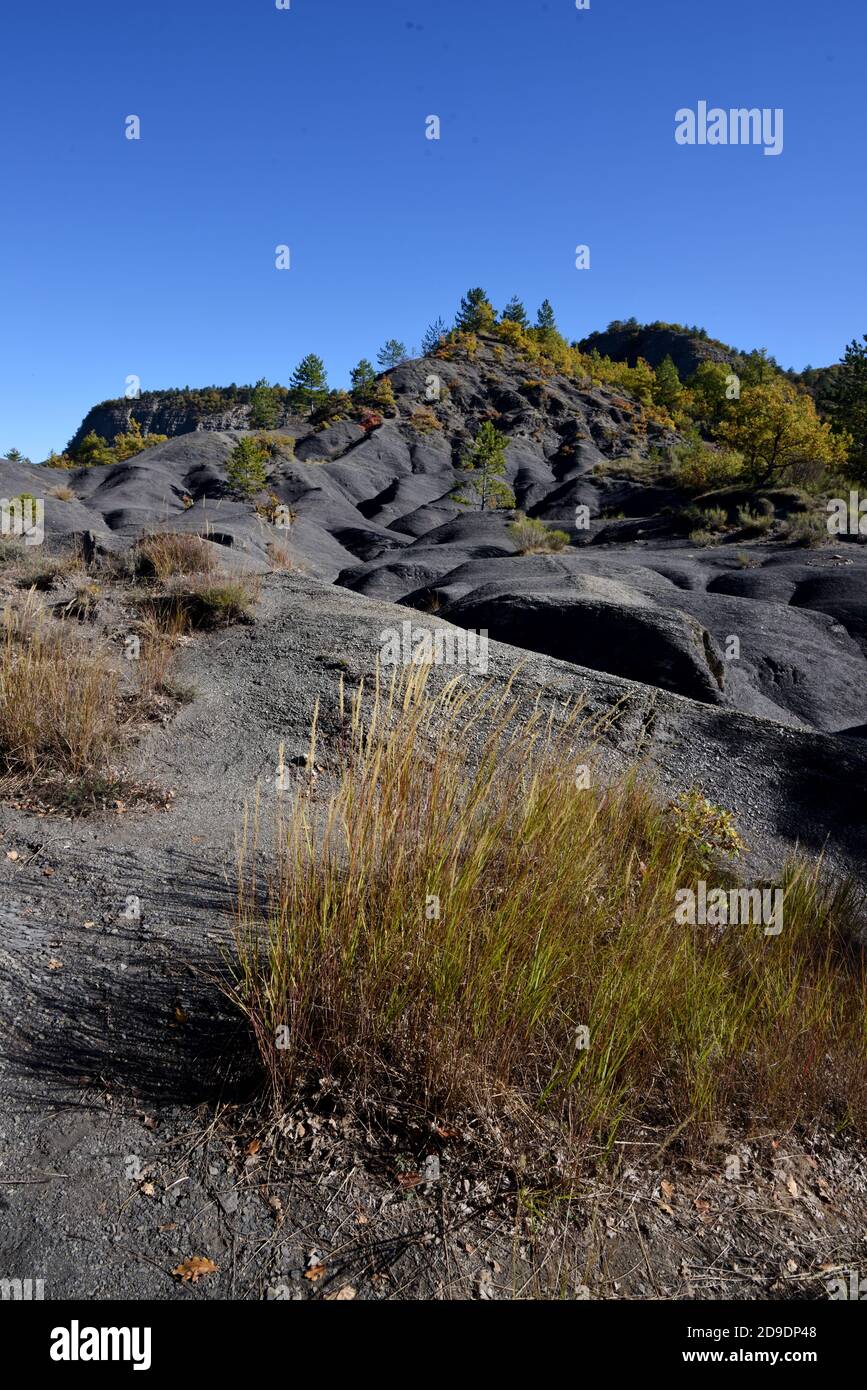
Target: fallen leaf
{"type": "Point", "coordinates": [315, 1272]}
{"type": "Point", "coordinates": [666, 1188]}
{"type": "Point", "coordinates": [253, 1147]}
{"type": "Point", "coordinates": [407, 1180]}
{"type": "Point", "coordinates": [793, 1186]}
{"type": "Point", "coordinates": [55, 964]}
{"type": "Point", "coordinates": [191, 1270]}
{"type": "Point", "coordinates": [180, 1016]}
{"type": "Point", "coordinates": [340, 1295]}
{"type": "Point", "coordinates": [148, 1189]}
{"type": "Point", "coordinates": [11, 854]}
{"type": "Point", "coordinates": [48, 873]}
{"type": "Point", "coordinates": [90, 924]}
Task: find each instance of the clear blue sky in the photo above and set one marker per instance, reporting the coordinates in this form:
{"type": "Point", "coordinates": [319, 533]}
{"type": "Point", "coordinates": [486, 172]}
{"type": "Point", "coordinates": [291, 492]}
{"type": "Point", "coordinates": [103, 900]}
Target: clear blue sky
{"type": "Point", "coordinates": [306, 127]}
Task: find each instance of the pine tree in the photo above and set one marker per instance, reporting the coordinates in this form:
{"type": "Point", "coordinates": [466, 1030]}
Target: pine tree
{"type": "Point", "coordinates": [545, 321]}
{"type": "Point", "coordinates": [263, 406]}
{"type": "Point", "coordinates": [515, 312]}
{"type": "Point", "coordinates": [667, 390]}
{"type": "Point", "coordinates": [363, 380]}
{"type": "Point", "coordinates": [476, 314]}
{"type": "Point", "coordinates": [847, 403]}
{"type": "Point", "coordinates": [391, 354]}
{"type": "Point", "coordinates": [485, 463]}
{"type": "Point", "coordinates": [245, 468]}
{"type": "Point", "coordinates": [308, 386]}
{"type": "Point", "coordinates": [433, 336]}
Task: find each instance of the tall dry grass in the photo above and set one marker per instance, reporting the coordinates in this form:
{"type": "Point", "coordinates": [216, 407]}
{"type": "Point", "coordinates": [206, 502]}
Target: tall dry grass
{"type": "Point", "coordinates": [459, 912]}
{"type": "Point", "coordinates": [60, 716]}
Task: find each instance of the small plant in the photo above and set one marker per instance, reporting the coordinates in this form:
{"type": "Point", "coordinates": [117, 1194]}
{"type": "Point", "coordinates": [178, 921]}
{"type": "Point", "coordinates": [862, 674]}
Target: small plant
{"type": "Point", "coordinates": [810, 529]}
{"type": "Point", "coordinates": [281, 559]}
{"type": "Point", "coordinates": [423, 420]}
{"type": "Point", "coordinates": [709, 829]}
{"type": "Point", "coordinates": [533, 537]}
{"type": "Point", "coordinates": [84, 603]}
{"type": "Point", "coordinates": [754, 522]}
{"type": "Point", "coordinates": [63, 494]}
{"type": "Point", "coordinates": [201, 602]}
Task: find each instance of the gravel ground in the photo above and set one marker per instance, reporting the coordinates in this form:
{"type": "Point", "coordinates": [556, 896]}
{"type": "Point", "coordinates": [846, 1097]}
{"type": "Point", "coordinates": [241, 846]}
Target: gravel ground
{"type": "Point", "coordinates": [130, 1134]}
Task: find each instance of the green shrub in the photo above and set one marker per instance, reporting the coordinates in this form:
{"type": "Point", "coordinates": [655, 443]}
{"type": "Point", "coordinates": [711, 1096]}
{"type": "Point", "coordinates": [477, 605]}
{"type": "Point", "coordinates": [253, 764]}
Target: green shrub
{"type": "Point", "coordinates": [533, 537]}
{"type": "Point", "coordinates": [702, 468]}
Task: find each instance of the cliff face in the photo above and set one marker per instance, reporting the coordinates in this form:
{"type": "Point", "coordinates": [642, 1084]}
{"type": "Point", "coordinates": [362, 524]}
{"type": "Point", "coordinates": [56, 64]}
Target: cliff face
{"type": "Point", "coordinates": [169, 412]}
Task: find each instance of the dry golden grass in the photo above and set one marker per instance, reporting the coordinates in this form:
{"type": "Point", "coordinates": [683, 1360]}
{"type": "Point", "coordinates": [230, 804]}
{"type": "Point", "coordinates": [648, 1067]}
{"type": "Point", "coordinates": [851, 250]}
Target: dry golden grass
{"type": "Point", "coordinates": [168, 553]}
{"type": "Point", "coordinates": [60, 718]}
{"type": "Point", "coordinates": [448, 924]}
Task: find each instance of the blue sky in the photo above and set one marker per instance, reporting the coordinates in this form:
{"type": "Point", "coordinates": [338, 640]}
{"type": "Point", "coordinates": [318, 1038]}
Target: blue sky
{"type": "Point", "coordinates": [307, 127]}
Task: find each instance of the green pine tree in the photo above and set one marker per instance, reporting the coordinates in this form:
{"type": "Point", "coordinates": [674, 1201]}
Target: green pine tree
{"type": "Point", "coordinates": [433, 336]}
{"type": "Point", "coordinates": [264, 410]}
{"type": "Point", "coordinates": [545, 321]}
{"type": "Point", "coordinates": [245, 468]}
{"type": "Point", "coordinates": [667, 389]}
{"type": "Point", "coordinates": [363, 381]}
{"type": "Point", "coordinates": [847, 404]}
{"type": "Point", "coordinates": [308, 386]}
{"type": "Point", "coordinates": [485, 464]}
{"type": "Point", "coordinates": [391, 354]}
{"type": "Point", "coordinates": [515, 312]}
{"type": "Point", "coordinates": [476, 314]}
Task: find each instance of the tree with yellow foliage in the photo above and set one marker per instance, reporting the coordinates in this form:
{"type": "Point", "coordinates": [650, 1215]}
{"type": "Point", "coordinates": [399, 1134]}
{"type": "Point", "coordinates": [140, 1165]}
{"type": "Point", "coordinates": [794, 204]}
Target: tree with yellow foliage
{"type": "Point", "coordinates": [781, 437]}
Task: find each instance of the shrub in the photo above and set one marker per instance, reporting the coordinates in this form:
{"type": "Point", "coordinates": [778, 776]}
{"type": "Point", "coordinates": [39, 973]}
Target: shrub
{"type": "Point", "coordinates": [93, 452]}
{"type": "Point", "coordinates": [63, 494]}
{"type": "Point", "coordinates": [715, 518]}
{"type": "Point", "coordinates": [755, 523]}
{"type": "Point", "coordinates": [810, 529]}
{"type": "Point", "coordinates": [533, 537]}
{"type": "Point", "coordinates": [702, 467]}
{"type": "Point", "coordinates": [202, 602]}
{"type": "Point", "coordinates": [423, 420]}
{"type": "Point", "coordinates": [126, 446]}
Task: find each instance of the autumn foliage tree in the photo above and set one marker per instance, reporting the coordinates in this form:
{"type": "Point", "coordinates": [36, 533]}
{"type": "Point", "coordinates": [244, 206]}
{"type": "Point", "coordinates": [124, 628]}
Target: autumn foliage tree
{"type": "Point", "coordinates": [780, 436]}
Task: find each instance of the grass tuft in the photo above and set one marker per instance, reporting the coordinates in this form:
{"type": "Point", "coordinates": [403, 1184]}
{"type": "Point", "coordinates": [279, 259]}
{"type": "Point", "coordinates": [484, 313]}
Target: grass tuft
{"type": "Point", "coordinates": [474, 930]}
